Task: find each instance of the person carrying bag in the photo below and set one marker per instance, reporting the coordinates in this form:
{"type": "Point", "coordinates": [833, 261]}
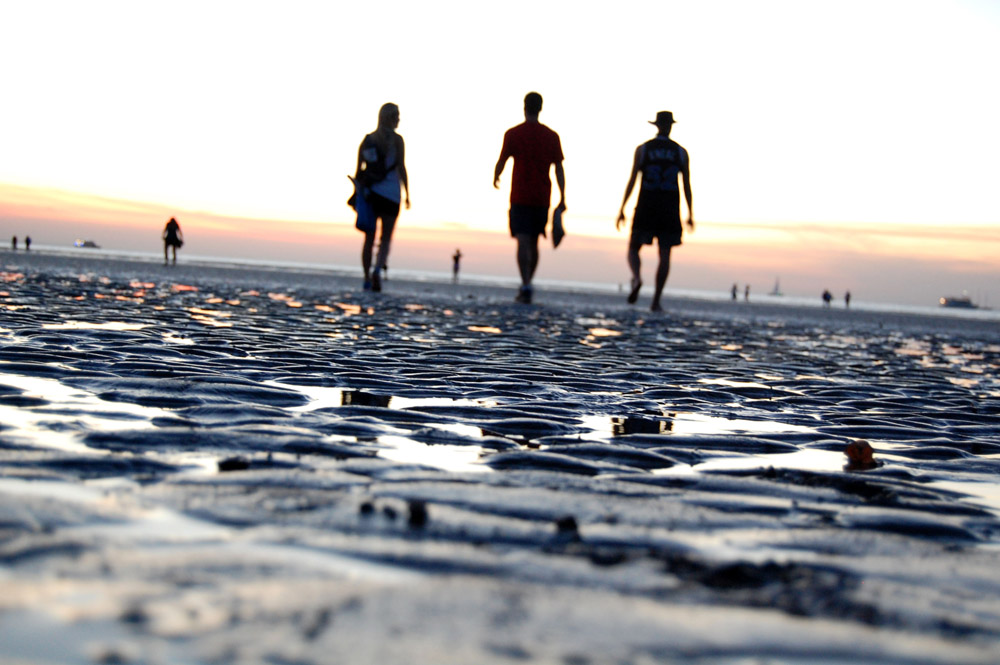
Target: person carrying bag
{"type": "Point", "coordinates": [380, 175]}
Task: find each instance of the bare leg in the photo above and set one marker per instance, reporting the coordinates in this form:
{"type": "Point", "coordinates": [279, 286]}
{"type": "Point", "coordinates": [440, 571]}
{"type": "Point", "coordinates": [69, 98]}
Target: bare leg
{"type": "Point", "coordinates": [174, 248]}
{"type": "Point", "coordinates": [662, 272]}
{"type": "Point", "coordinates": [635, 265]}
{"type": "Point", "coordinates": [166, 247]}
{"type": "Point", "coordinates": [527, 257]}
{"type": "Point", "coordinates": [366, 254]}
{"type": "Point", "coordinates": [384, 243]}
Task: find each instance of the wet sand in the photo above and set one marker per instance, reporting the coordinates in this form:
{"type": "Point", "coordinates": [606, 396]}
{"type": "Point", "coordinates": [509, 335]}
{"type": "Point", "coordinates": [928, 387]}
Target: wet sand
{"type": "Point", "coordinates": [208, 464]}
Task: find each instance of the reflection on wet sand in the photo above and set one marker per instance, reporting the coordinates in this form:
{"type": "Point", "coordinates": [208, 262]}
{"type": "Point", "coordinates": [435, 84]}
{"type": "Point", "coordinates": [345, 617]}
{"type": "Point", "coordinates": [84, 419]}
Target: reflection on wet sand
{"type": "Point", "coordinates": [491, 466]}
{"type": "Point", "coordinates": [349, 397]}
{"type": "Point", "coordinates": [623, 426]}
{"type": "Point", "coordinates": [86, 325]}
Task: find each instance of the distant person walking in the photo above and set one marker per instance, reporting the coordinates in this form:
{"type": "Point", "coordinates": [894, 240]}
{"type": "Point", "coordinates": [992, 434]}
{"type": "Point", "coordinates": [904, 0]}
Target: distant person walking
{"type": "Point", "coordinates": [535, 149]}
{"type": "Point", "coordinates": [13, 243]}
{"type": "Point", "coordinates": [172, 239]}
{"type": "Point", "coordinates": [380, 173]}
{"type": "Point", "coordinates": [847, 300]}
{"type": "Point", "coordinates": [734, 291]}
{"type": "Point", "coordinates": [456, 258]}
{"type": "Point", "coordinates": [657, 213]}
{"type": "Point", "coordinates": [27, 243]}
{"type": "Point", "coordinates": [827, 297]}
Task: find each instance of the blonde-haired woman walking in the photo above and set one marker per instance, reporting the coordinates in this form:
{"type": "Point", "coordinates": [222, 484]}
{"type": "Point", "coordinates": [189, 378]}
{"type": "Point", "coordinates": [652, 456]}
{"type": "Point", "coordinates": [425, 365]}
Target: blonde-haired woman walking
{"type": "Point", "coordinates": [380, 174]}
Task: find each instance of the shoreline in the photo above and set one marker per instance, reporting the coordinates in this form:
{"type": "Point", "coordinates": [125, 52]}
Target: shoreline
{"type": "Point", "coordinates": [440, 286]}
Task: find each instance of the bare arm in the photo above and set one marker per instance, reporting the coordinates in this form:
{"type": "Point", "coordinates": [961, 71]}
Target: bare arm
{"type": "Point", "coordinates": [403, 179]}
{"type": "Point", "coordinates": [499, 169]}
{"type": "Point", "coordinates": [686, 178]}
{"type": "Point", "coordinates": [561, 182]}
{"type": "Point", "coordinates": [357, 170]}
{"type": "Point", "coordinates": [501, 161]}
{"type": "Point", "coordinates": [636, 161]}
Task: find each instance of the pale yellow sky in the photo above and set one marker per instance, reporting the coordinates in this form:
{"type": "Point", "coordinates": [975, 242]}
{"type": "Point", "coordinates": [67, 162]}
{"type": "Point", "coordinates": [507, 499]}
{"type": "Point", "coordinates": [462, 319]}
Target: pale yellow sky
{"type": "Point", "coordinates": [873, 112]}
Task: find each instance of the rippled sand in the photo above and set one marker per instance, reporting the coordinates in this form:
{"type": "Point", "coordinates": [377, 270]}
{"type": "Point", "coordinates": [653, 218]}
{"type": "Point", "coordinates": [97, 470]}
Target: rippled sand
{"type": "Point", "coordinates": [209, 464]}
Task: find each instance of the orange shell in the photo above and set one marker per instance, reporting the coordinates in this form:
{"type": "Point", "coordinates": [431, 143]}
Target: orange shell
{"type": "Point", "coordinates": [860, 451]}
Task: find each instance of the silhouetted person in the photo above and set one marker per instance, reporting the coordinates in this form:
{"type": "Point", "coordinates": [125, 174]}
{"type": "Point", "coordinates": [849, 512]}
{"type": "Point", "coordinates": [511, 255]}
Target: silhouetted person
{"type": "Point", "coordinates": [734, 291]}
{"type": "Point", "coordinates": [172, 239]}
{"type": "Point", "coordinates": [27, 243]}
{"type": "Point", "coordinates": [847, 299]}
{"type": "Point", "coordinates": [827, 297]}
{"type": "Point", "coordinates": [535, 149]}
{"type": "Point", "coordinates": [13, 243]}
{"type": "Point", "coordinates": [657, 213]}
{"type": "Point", "coordinates": [746, 293]}
{"type": "Point", "coordinates": [381, 172]}
{"type": "Point", "coordinates": [455, 259]}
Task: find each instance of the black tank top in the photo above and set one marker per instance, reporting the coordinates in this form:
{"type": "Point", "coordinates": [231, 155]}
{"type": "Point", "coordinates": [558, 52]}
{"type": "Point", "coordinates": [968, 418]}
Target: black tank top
{"type": "Point", "coordinates": [662, 160]}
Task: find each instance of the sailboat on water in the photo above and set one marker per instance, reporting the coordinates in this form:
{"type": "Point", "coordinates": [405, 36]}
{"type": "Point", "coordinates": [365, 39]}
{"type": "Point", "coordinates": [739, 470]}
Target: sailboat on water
{"type": "Point", "coordinates": [776, 291]}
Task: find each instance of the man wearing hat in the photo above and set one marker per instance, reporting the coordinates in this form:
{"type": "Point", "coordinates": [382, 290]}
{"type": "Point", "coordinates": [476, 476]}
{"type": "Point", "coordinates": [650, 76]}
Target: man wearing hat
{"type": "Point", "coordinates": [657, 213]}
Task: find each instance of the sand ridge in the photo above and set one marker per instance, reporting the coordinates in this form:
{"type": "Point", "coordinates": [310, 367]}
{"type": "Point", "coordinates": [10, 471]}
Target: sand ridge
{"type": "Point", "coordinates": [244, 466]}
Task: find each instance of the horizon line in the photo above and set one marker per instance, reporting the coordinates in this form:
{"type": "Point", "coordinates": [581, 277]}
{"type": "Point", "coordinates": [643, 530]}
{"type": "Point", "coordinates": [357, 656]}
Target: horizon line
{"type": "Point", "coordinates": [891, 229]}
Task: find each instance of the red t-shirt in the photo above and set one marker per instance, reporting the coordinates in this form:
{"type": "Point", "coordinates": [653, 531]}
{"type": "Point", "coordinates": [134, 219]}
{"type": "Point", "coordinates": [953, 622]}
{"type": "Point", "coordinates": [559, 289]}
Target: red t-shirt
{"type": "Point", "coordinates": [534, 148]}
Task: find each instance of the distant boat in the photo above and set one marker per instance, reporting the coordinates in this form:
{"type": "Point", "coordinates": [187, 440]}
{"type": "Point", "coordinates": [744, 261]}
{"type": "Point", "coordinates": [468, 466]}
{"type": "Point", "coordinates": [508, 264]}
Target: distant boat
{"type": "Point", "coordinates": [960, 302]}
{"type": "Point", "coordinates": [776, 291]}
{"type": "Point", "coordinates": [86, 243]}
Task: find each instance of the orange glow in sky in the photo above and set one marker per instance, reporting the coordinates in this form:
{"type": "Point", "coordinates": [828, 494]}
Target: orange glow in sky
{"type": "Point", "coordinates": [828, 140]}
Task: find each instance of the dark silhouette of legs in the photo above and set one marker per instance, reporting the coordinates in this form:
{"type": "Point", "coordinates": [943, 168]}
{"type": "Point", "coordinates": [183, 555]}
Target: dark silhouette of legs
{"type": "Point", "coordinates": [384, 244]}
{"type": "Point", "coordinates": [373, 272]}
{"type": "Point", "coordinates": [635, 265]}
{"type": "Point", "coordinates": [527, 262]}
{"type": "Point", "coordinates": [662, 272]}
{"type": "Point", "coordinates": [527, 257]}
{"type": "Point", "coordinates": [366, 257]}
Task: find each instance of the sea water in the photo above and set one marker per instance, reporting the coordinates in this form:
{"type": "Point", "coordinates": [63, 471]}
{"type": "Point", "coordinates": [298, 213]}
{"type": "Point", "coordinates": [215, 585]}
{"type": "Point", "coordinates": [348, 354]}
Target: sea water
{"type": "Point", "coordinates": [511, 281]}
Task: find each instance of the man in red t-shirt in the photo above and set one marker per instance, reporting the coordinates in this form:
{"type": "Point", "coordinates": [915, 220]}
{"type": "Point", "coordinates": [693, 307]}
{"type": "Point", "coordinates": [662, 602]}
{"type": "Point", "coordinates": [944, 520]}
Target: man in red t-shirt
{"type": "Point", "coordinates": [535, 148]}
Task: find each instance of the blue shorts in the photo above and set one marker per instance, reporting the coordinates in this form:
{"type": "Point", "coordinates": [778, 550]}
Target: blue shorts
{"type": "Point", "coordinates": [528, 220]}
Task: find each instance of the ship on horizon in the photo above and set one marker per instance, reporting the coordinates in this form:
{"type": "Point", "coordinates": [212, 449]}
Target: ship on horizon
{"type": "Point", "coordinates": [958, 302]}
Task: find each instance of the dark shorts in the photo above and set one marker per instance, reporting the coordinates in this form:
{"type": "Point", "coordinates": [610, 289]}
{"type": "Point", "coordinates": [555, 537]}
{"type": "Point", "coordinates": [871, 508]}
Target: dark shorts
{"type": "Point", "coordinates": [530, 220]}
{"type": "Point", "coordinates": [383, 208]}
{"type": "Point", "coordinates": [658, 218]}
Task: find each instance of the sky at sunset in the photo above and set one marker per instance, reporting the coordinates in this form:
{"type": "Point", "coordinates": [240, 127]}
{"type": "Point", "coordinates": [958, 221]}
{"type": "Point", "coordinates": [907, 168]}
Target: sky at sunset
{"type": "Point", "coordinates": [842, 145]}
